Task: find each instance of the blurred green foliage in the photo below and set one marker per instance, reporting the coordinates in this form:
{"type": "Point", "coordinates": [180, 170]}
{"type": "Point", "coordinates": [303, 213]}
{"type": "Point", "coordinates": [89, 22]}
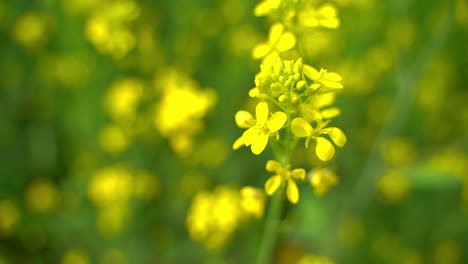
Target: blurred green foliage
{"type": "Point", "coordinates": [116, 115]}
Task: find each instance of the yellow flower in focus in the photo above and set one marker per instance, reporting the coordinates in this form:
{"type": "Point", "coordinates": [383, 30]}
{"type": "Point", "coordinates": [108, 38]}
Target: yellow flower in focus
{"type": "Point", "coordinates": [259, 129]}
{"type": "Point", "coordinates": [325, 16]}
{"type": "Point", "coordinates": [9, 217]}
{"type": "Point", "coordinates": [266, 7]}
{"type": "Point", "coordinates": [324, 149]}
{"type": "Point", "coordinates": [323, 78]}
{"type": "Point", "coordinates": [278, 41]}
{"type": "Point", "coordinates": [42, 196]}
{"type": "Point", "coordinates": [322, 180]}
{"type": "Point", "coordinates": [253, 201]}
{"type": "Point", "coordinates": [393, 186]}
{"type": "Point", "coordinates": [284, 176]}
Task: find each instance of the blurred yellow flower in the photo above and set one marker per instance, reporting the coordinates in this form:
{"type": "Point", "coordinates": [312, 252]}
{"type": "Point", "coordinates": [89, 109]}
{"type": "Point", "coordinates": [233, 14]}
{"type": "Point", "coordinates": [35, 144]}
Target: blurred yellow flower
{"type": "Point", "coordinates": [284, 176]}
{"type": "Point", "coordinates": [214, 216]}
{"type": "Point", "coordinates": [30, 30]}
{"type": "Point", "coordinates": [253, 201]}
{"type": "Point", "coordinates": [279, 41]}
{"type": "Point", "coordinates": [259, 129]}
{"type": "Point", "coordinates": [314, 259]}
{"type": "Point", "coordinates": [110, 185]}
{"type": "Point", "coordinates": [75, 256]}
{"type": "Point", "coordinates": [393, 186]}
{"type": "Point", "coordinates": [322, 180]}
{"type": "Point", "coordinates": [9, 217]}
{"type": "Point", "coordinates": [325, 16]}
{"type": "Point", "coordinates": [42, 196]}
{"type": "Point", "coordinates": [122, 99]}
{"type": "Point", "coordinates": [113, 140]}
{"type": "Point", "coordinates": [265, 7]}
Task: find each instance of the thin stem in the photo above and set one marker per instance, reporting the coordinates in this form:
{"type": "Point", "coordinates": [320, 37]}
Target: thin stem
{"type": "Point", "coordinates": [270, 232]}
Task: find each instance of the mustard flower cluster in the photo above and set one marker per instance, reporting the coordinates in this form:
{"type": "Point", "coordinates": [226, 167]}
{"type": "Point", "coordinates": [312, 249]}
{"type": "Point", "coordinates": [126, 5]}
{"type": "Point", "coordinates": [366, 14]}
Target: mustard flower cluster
{"type": "Point", "coordinates": [214, 216]}
{"type": "Point", "coordinates": [295, 99]}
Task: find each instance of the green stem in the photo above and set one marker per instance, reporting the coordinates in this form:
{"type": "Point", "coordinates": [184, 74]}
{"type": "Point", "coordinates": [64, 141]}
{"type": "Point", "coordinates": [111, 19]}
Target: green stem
{"type": "Point", "coordinates": [270, 232]}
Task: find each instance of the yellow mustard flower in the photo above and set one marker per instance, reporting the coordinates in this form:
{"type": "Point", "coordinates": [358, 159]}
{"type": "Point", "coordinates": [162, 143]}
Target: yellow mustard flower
{"type": "Point", "coordinates": [284, 175]}
{"type": "Point", "coordinates": [324, 149]}
{"type": "Point", "coordinates": [279, 41]}
{"type": "Point", "coordinates": [259, 129]}
{"type": "Point", "coordinates": [325, 16]}
{"type": "Point", "coordinates": [323, 78]}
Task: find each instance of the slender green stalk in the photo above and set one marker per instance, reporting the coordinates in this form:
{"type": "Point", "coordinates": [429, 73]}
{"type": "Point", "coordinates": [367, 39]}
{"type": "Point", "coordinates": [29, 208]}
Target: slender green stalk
{"type": "Point", "coordinates": [270, 233]}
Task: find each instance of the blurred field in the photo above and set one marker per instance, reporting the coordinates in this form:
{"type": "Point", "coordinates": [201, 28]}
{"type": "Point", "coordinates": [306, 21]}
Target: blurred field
{"type": "Point", "coordinates": [117, 121]}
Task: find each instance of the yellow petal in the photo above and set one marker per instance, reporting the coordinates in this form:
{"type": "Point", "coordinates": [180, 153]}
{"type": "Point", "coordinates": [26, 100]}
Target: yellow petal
{"type": "Point", "coordinates": [330, 113]}
{"type": "Point", "coordinates": [292, 192]}
{"type": "Point", "coordinates": [261, 51]}
{"type": "Point", "coordinates": [254, 92]}
{"type": "Point", "coordinates": [331, 84]}
{"type": "Point", "coordinates": [276, 121]}
{"type": "Point", "coordinates": [310, 72]}
{"type": "Point", "coordinates": [244, 119]}
{"type": "Point", "coordinates": [337, 136]}
{"type": "Point", "coordinates": [298, 174]}
{"type": "Point", "coordinates": [324, 149]}
{"type": "Point", "coordinates": [259, 145]}
{"type": "Point", "coordinates": [273, 165]}
{"type": "Point", "coordinates": [286, 42]}
{"type": "Point", "coordinates": [301, 128]}
{"type": "Point", "coordinates": [335, 77]}
{"type": "Point", "coordinates": [272, 184]}
{"type": "Point", "coordinates": [276, 31]}
{"type": "Point", "coordinates": [238, 143]}
{"type": "Point", "coordinates": [250, 135]}
{"type": "Point", "coordinates": [261, 112]}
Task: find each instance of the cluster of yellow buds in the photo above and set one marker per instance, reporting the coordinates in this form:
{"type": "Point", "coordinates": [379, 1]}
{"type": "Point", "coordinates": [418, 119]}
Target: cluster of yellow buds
{"type": "Point", "coordinates": [295, 99]}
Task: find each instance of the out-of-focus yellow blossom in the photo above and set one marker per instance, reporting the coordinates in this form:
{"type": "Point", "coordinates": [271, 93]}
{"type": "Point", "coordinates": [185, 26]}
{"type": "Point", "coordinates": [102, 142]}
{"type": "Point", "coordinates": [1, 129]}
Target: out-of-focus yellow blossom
{"type": "Point", "coordinates": [314, 259]}
{"type": "Point", "coordinates": [393, 186]}
{"type": "Point", "coordinates": [259, 129]}
{"type": "Point", "coordinates": [112, 220]}
{"type": "Point", "coordinates": [9, 217]}
{"type": "Point", "coordinates": [214, 216]}
{"type": "Point", "coordinates": [399, 152]}
{"type": "Point", "coordinates": [42, 196]}
{"type": "Point", "coordinates": [113, 140]}
{"type": "Point", "coordinates": [75, 256]}
{"type": "Point", "coordinates": [122, 99]}
{"type": "Point", "coordinates": [30, 30]}
{"type": "Point", "coordinates": [284, 176]}
{"type": "Point", "coordinates": [279, 41]}
{"type": "Point", "coordinates": [447, 252]}
{"type": "Point", "coordinates": [323, 148]}
{"type": "Point", "coordinates": [265, 7]}
{"type": "Point", "coordinates": [322, 180]}
{"type": "Point", "coordinates": [110, 186]}
{"type": "Point", "coordinates": [351, 231]}
{"type": "Point", "coordinates": [401, 35]}
{"type": "Point", "coordinates": [66, 70]}
{"type": "Point", "coordinates": [323, 78]}
{"type": "Point", "coordinates": [146, 186]}
{"type": "Point", "coordinates": [178, 115]}
{"type": "Point", "coordinates": [79, 6]}
{"type": "Point", "coordinates": [109, 27]}
{"type": "Point", "coordinates": [253, 201]}
{"type": "Point", "coordinates": [325, 16]}
{"type": "Point", "coordinates": [113, 256]}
